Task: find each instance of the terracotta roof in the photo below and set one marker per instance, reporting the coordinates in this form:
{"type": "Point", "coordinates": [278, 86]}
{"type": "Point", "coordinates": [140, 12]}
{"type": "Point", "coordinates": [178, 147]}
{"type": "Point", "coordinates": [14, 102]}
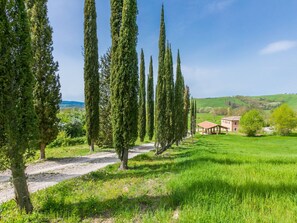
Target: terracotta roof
{"type": "Point", "coordinates": [207, 125]}
{"type": "Point", "coordinates": [232, 118]}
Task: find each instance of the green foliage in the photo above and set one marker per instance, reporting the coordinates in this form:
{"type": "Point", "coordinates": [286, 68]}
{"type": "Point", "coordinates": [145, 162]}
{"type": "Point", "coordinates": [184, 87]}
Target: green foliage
{"type": "Point", "coordinates": [160, 115]}
{"type": "Point", "coordinates": [225, 178]}
{"type": "Point", "coordinates": [124, 81]}
{"type": "Point", "coordinates": [179, 103]}
{"type": "Point", "coordinates": [17, 115]}
{"type": "Point", "coordinates": [193, 117]}
{"type": "Point", "coordinates": [64, 140]}
{"type": "Point", "coordinates": [105, 126]}
{"type": "Point", "coordinates": [150, 101]}
{"type": "Point", "coordinates": [47, 85]}
{"type": "Point", "coordinates": [284, 119]}
{"type": "Point", "coordinates": [187, 106]}
{"type": "Point", "coordinates": [251, 122]}
{"type": "Point", "coordinates": [142, 100]}
{"type": "Point", "coordinates": [169, 97]}
{"type": "Point", "coordinates": [91, 73]}
{"type": "Point", "coordinates": [72, 121]}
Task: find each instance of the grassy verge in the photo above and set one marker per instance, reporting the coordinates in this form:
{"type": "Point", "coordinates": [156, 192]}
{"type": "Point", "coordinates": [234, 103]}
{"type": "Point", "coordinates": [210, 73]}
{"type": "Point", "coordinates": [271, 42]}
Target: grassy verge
{"type": "Point", "coordinates": [75, 151]}
{"type": "Point", "coordinates": [225, 178]}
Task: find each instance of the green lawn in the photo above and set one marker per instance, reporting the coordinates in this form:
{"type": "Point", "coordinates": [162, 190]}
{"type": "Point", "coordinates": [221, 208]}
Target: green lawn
{"type": "Point", "coordinates": [225, 178]}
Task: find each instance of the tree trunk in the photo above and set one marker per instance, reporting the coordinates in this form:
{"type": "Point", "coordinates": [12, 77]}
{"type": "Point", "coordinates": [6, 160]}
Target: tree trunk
{"type": "Point", "coordinates": [92, 149]}
{"type": "Point", "coordinates": [19, 181]}
{"type": "Point", "coordinates": [163, 149]}
{"type": "Point", "coordinates": [42, 151]}
{"type": "Point", "coordinates": [124, 160]}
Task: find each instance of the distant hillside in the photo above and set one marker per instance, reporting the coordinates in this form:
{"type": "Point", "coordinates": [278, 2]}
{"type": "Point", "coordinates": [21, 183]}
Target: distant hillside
{"type": "Point", "coordinates": [266, 102]}
{"type": "Point", "coordinates": [72, 104]}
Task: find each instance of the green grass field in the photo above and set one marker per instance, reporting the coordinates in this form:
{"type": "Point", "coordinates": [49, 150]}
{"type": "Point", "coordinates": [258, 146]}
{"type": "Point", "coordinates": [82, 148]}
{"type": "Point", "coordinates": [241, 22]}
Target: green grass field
{"type": "Point", "coordinates": [225, 178]}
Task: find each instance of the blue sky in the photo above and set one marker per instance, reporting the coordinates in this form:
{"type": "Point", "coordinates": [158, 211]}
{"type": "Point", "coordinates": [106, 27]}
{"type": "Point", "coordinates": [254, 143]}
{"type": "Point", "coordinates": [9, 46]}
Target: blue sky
{"type": "Point", "coordinates": [228, 47]}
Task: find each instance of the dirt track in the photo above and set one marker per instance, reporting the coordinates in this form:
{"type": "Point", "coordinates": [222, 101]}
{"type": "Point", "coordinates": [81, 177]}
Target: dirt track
{"type": "Point", "coordinates": [49, 173]}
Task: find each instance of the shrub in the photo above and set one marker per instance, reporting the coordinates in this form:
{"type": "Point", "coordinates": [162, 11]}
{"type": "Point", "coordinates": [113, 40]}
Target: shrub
{"type": "Point", "coordinates": [64, 140]}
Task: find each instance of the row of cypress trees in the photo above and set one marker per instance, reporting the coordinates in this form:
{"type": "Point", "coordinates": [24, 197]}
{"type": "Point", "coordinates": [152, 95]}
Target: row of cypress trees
{"type": "Point", "coordinates": [172, 99]}
{"type": "Point", "coordinates": [29, 88]}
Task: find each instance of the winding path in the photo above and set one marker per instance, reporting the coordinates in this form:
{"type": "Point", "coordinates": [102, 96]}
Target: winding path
{"type": "Point", "coordinates": [49, 173]}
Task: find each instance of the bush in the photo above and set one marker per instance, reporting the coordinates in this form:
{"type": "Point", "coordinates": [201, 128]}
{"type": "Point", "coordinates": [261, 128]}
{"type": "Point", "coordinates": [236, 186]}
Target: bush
{"type": "Point", "coordinates": [284, 119]}
{"type": "Point", "coordinates": [63, 140]}
{"type": "Point", "coordinates": [72, 121]}
{"type": "Point", "coordinates": [251, 122]}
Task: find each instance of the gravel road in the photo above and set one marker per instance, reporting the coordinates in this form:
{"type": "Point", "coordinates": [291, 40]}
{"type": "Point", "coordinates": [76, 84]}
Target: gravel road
{"type": "Point", "coordinates": [48, 173]}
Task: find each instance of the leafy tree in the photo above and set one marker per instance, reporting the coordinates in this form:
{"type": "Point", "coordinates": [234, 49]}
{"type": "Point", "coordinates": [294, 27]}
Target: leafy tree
{"type": "Point", "coordinates": [124, 83]}
{"type": "Point", "coordinates": [17, 116]}
{"type": "Point", "coordinates": [47, 84]}
{"type": "Point", "coordinates": [284, 119]}
{"type": "Point", "coordinates": [105, 126]}
{"type": "Point", "coordinates": [179, 102]}
{"type": "Point", "coordinates": [91, 74]}
{"type": "Point", "coordinates": [142, 101]}
{"type": "Point", "coordinates": [150, 101]}
{"type": "Point", "coordinates": [251, 122]}
{"type": "Point", "coordinates": [187, 106]}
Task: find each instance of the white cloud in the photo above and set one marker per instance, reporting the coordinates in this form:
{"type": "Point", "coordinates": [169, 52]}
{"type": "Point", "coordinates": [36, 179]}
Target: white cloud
{"type": "Point", "coordinates": [278, 47]}
{"type": "Point", "coordinates": [218, 5]}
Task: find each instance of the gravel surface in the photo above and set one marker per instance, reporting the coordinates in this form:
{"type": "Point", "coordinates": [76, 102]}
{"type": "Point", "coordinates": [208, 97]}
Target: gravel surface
{"type": "Point", "coordinates": [48, 173]}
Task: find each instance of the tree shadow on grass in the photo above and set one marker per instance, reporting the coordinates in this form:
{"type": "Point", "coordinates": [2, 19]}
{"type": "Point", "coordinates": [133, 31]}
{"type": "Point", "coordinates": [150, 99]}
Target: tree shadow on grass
{"type": "Point", "coordinates": [92, 207]}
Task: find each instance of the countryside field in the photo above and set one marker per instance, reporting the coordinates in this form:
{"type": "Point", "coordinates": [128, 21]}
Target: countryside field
{"type": "Point", "coordinates": [290, 99]}
{"type": "Point", "coordinates": [225, 178]}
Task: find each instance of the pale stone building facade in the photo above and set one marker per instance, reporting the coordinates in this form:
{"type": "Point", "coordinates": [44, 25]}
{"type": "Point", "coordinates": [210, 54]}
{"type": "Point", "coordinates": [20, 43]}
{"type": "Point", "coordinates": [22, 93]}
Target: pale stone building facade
{"type": "Point", "coordinates": [232, 123]}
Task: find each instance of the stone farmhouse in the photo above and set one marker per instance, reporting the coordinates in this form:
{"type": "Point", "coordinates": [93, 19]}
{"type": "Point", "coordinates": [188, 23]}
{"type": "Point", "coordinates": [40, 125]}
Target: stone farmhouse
{"type": "Point", "coordinates": [232, 123]}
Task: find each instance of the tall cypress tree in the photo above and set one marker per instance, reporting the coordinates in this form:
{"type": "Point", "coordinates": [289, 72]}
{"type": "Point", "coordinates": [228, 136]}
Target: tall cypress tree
{"type": "Point", "coordinates": [160, 113]}
{"type": "Point", "coordinates": [169, 91]}
{"type": "Point", "coordinates": [18, 119]}
{"type": "Point", "coordinates": [124, 84]}
{"type": "Point", "coordinates": [91, 74]}
{"type": "Point", "coordinates": [47, 84]}
{"type": "Point", "coordinates": [179, 102]}
{"type": "Point", "coordinates": [193, 126]}
{"type": "Point", "coordinates": [142, 100]}
{"type": "Point", "coordinates": [150, 101]}
{"type": "Point", "coordinates": [186, 110]}
{"type": "Point", "coordinates": [105, 126]}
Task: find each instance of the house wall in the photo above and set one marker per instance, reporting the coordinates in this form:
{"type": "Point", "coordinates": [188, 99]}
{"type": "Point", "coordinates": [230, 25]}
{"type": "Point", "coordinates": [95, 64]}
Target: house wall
{"type": "Point", "coordinates": [232, 126]}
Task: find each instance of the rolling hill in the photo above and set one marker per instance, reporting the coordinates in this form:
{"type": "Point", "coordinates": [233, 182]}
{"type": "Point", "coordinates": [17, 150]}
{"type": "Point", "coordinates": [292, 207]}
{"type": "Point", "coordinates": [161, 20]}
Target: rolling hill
{"type": "Point", "coordinates": [72, 104]}
{"type": "Point", "coordinates": [266, 102]}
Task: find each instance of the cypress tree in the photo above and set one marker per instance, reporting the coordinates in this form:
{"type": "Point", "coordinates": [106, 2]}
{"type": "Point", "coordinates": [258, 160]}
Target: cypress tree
{"type": "Point", "coordinates": [47, 84]}
{"type": "Point", "coordinates": [160, 115]}
{"type": "Point", "coordinates": [169, 91]}
{"type": "Point", "coordinates": [91, 74]}
{"type": "Point", "coordinates": [179, 102]}
{"type": "Point", "coordinates": [18, 119]}
{"type": "Point", "coordinates": [186, 110]}
{"type": "Point", "coordinates": [142, 100]}
{"type": "Point", "coordinates": [115, 22]}
{"type": "Point", "coordinates": [193, 126]}
{"type": "Point", "coordinates": [105, 126]}
{"type": "Point", "coordinates": [150, 101]}
{"type": "Point", "coordinates": [124, 84]}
